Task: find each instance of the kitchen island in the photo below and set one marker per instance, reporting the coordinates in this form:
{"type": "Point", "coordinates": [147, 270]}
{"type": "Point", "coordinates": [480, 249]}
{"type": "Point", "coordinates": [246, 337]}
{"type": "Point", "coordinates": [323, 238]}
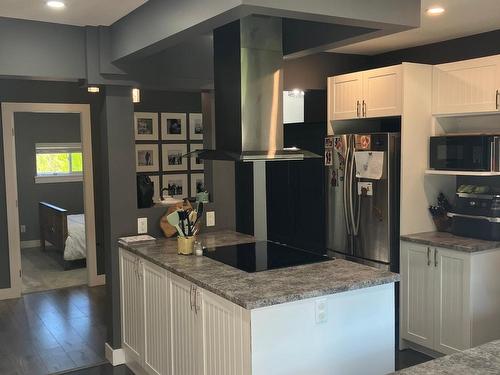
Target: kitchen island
{"type": "Point", "coordinates": [193, 315]}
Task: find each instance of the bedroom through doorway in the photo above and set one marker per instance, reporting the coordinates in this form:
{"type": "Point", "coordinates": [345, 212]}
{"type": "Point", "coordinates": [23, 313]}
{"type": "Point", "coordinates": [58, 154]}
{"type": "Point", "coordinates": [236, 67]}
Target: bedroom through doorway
{"type": "Point", "coordinates": [49, 166]}
{"type": "Point", "coordinates": [53, 220]}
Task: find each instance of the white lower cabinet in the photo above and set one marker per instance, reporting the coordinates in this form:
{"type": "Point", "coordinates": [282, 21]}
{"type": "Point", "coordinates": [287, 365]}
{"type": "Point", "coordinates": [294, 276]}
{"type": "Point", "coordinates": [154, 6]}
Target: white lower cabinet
{"type": "Point", "coordinates": [187, 353]}
{"type": "Point", "coordinates": [131, 307]}
{"type": "Point", "coordinates": [172, 327]}
{"type": "Point", "coordinates": [444, 297]}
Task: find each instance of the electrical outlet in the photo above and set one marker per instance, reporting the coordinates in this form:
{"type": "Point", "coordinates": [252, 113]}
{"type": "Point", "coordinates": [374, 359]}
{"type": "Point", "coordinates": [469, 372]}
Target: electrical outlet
{"type": "Point", "coordinates": [142, 225]}
{"type": "Point", "coordinates": [23, 228]}
{"type": "Point", "coordinates": [210, 218]}
{"type": "Point", "coordinates": [321, 311]}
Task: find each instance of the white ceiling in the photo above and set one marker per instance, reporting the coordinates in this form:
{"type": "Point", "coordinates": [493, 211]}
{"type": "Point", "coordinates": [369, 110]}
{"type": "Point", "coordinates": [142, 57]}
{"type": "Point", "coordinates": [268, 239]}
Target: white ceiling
{"type": "Point", "coordinates": [76, 12]}
{"type": "Point", "coordinates": [461, 18]}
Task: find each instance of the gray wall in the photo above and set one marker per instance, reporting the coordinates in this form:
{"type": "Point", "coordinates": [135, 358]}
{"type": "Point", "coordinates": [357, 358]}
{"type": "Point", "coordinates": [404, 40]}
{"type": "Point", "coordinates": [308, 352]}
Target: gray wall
{"type": "Point", "coordinates": [119, 192]}
{"type": "Point", "coordinates": [50, 92]}
{"type": "Point", "coordinates": [311, 72]}
{"type": "Point", "coordinates": [40, 49]}
{"type": "Point", "coordinates": [32, 128]}
{"type": "Point", "coordinates": [469, 47]}
{"type": "Point", "coordinates": [165, 101]}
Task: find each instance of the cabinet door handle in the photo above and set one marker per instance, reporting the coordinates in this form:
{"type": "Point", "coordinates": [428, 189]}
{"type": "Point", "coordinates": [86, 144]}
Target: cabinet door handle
{"type": "Point", "coordinates": [428, 256]}
{"type": "Point", "coordinates": [496, 98]}
{"type": "Point", "coordinates": [136, 268]}
{"type": "Point", "coordinates": [191, 297]}
{"type": "Point", "coordinates": [197, 307]}
{"type": "Point", "coordinates": [357, 108]}
{"type": "Point", "coordinates": [435, 257]}
{"type": "Point", "coordinates": [364, 108]}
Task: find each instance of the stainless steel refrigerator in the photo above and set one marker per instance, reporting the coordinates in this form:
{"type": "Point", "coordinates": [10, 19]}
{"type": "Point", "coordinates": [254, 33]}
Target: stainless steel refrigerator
{"type": "Point", "coordinates": [363, 201]}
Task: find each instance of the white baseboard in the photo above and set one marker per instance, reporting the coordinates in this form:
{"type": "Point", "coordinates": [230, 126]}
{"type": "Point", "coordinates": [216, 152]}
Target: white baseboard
{"type": "Point", "coordinates": [114, 356]}
{"type": "Point", "coordinates": [30, 244]}
{"type": "Point", "coordinates": [8, 293]}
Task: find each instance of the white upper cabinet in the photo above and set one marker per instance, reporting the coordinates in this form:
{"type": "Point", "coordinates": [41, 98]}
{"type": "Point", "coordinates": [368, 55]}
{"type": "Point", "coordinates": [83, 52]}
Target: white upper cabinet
{"type": "Point", "coordinates": [382, 92]}
{"type": "Point", "coordinates": [468, 86]}
{"type": "Point", "coordinates": [346, 94]}
{"type": "Point", "coordinates": [372, 93]}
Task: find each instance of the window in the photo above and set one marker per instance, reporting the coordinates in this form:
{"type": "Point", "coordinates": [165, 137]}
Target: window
{"type": "Point", "coordinates": [58, 162]}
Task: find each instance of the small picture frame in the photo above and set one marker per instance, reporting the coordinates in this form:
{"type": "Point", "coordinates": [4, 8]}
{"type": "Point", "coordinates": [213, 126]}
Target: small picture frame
{"type": "Point", "coordinates": [195, 162]}
{"type": "Point", "coordinates": [195, 126]}
{"type": "Point", "coordinates": [197, 183]}
{"type": "Point", "coordinates": [176, 184]}
{"type": "Point", "coordinates": [329, 142]}
{"type": "Point", "coordinates": [146, 158]}
{"type": "Point", "coordinates": [146, 126]}
{"type": "Point", "coordinates": [156, 188]}
{"type": "Point", "coordinates": [172, 159]}
{"type": "Point", "coordinates": [173, 127]}
{"type": "Point", "coordinates": [328, 157]}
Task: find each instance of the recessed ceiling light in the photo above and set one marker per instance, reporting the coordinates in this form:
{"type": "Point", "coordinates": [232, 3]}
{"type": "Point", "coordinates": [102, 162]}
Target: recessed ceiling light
{"type": "Point", "coordinates": [56, 4]}
{"type": "Point", "coordinates": [434, 11]}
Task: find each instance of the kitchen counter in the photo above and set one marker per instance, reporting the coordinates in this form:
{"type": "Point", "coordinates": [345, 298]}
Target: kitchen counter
{"type": "Point", "coordinates": [260, 289]}
{"type": "Point", "coordinates": [450, 241]}
{"type": "Point", "coordinates": [482, 360]}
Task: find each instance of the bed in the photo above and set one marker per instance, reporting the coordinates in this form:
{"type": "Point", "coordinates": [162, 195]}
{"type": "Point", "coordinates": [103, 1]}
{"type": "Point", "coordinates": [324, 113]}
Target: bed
{"type": "Point", "coordinates": [66, 233]}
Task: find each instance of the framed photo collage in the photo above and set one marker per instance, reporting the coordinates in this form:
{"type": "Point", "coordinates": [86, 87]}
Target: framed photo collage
{"type": "Point", "coordinates": [161, 141]}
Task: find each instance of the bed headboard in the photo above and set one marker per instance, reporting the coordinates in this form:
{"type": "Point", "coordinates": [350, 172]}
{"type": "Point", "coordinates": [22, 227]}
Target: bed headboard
{"type": "Point", "coordinates": [53, 225]}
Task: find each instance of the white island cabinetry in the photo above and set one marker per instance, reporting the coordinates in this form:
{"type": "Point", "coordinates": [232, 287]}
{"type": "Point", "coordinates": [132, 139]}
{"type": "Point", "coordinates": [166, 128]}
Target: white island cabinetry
{"type": "Point", "coordinates": [171, 326]}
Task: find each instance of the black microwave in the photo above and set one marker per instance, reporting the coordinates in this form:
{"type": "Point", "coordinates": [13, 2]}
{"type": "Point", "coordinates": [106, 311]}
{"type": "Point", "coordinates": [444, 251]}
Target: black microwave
{"type": "Point", "coordinates": [465, 152]}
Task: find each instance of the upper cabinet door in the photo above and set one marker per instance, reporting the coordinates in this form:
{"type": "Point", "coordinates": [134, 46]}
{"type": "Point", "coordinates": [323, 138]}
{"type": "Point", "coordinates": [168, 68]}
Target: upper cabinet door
{"type": "Point", "coordinates": [345, 96]}
{"type": "Point", "coordinates": [452, 306]}
{"type": "Point", "coordinates": [466, 86]}
{"type": "Point", "coordinates": [382, 92]}
{"type": "Point", "coordinates": [417, 294]}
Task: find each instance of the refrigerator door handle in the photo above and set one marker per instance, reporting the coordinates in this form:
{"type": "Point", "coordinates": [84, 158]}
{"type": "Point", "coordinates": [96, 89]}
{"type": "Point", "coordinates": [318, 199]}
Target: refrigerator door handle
{"type": "Point", "coordinates": [353, 197]}
{"type": "Point", "coordinates": [346, 186]}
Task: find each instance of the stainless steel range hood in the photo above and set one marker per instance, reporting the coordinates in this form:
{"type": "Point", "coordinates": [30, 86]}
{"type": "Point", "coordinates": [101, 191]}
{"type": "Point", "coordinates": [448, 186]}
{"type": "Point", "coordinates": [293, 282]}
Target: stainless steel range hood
{"type": "Point", "coordinates": [248, 81]}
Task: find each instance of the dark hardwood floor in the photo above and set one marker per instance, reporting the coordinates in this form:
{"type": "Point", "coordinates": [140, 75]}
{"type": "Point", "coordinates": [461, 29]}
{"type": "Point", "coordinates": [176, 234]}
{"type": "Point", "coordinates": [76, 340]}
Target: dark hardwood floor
{"type": "Point", "coordinates": [408, 357]}
{"type": "Point", "coordinates": [105, 369]}
{"type": "Point", "coordinates": [54, 331]}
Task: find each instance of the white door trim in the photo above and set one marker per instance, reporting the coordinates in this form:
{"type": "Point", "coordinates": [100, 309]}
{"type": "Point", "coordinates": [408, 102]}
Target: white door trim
{"type": "Point", "coordinates": [8, 111]}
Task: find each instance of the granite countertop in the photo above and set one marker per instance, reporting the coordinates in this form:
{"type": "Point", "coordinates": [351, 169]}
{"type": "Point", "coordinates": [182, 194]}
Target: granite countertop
{"type": "Point", "coordinates": [483, 360]}
{"type": "Point", "coordinates": [259, 289]}
{"type": "Point", "coordinates": [450, 241]}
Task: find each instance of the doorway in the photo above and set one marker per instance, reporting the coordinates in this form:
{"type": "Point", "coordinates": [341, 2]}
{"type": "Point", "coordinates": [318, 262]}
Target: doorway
{"type": "Point", "coordinates": [54, 221]}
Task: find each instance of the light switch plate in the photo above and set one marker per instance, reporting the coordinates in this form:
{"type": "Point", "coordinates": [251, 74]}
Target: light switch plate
{"type": "Point", "coordinates": [23, 228]}
{"type": "Point", "coordinates": [210, 218]}
{"type": "Point", "coordinates": [142, 225]}
{"type": "Point", "coordinates": [321, 311]}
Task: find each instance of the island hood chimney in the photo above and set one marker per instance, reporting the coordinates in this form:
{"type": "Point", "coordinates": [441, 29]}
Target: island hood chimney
{"type": "Point", "coordinates": [248, 82]}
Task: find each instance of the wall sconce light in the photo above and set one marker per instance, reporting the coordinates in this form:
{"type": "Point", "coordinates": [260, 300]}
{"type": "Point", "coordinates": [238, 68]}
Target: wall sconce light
{"type": "Point", "coordinates": [93, 89]}
{"type": "Point", "coordinates": [136, 96]}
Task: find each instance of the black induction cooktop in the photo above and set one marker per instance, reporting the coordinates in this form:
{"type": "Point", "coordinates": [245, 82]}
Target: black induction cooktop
{"type": "Point", "coordinates": [262, 256]}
